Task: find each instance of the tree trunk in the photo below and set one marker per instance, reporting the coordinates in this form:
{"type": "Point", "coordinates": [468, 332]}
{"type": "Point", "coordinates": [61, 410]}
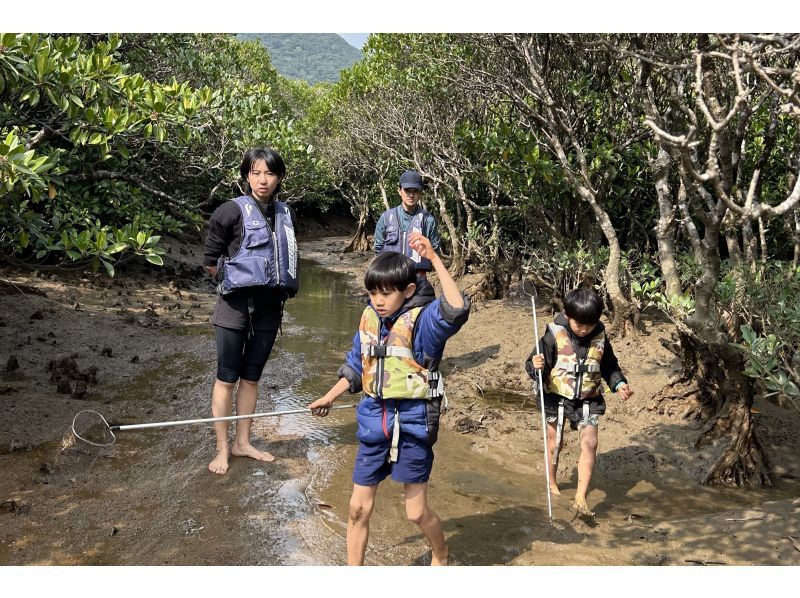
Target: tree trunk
{"type": "Point", "coordinates": [796, 258]}
{"type": "Point", "coordinates": [688, 224]}
{"type": "Point", "coordinates": [719, 393]}
{"type": "Point", "coordinates": [458, 265]}
{"type": "Point", "coordinates": [665, 227]}
{"type": "Point", "coordinates": [360, 240]}
{"type": "Point", "coordinates": [384, 197]}
{"type": "Point", "coordinates": [623, 310]}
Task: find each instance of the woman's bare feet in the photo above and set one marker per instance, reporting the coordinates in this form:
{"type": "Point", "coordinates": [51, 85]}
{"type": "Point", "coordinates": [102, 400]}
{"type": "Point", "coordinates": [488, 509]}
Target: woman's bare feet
{"type": "Point", "coordinates": [220, 463]}
{"type": "Point", "coordinates": [248, 450]}
{"type": "Point", "coordinates": [554, 489]}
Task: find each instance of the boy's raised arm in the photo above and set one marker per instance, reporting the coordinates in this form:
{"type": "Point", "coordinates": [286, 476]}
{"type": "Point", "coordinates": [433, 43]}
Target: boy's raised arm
{"type": "Point", "coordinates": [422, 246]}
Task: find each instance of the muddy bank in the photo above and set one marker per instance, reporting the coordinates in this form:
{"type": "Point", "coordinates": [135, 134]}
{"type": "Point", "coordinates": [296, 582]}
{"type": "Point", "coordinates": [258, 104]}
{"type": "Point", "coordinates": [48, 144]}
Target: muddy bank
{"type": "Point", "coordinates": [139, 348]}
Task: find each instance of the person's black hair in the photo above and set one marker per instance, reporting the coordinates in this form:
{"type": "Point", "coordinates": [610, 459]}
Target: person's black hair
{"type": "Point", "coordinates": [271, 158]}
{"type": "Point", "coordinates": [390, 271]}
{"type": "Point", "coordinates": [584, 306]}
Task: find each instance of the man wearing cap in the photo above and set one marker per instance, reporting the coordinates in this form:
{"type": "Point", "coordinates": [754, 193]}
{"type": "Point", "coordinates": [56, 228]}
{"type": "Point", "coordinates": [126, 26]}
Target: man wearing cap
{"type": "Point", "coordinates": [395, 225]}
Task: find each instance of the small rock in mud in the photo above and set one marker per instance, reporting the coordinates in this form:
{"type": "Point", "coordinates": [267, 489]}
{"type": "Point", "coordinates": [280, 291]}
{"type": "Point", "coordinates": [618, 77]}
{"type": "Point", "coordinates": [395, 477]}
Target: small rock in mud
{"type": "Point", "coordinates": [37, 315]}
{"type": "Point", "coordinates": [63, 386]}
{"type": "Point", "coordinates": [2, 323]}
{"type": "Point", "coordinates": [135, 359]}
{"type": "Point", "coordinates": [80, 389]}
{"type": "Point", "coordinates": [106, 351]}
{"type": "Point", "coordinates": [17, 507]}
{"type": "Point", "coordinates": [114, 531]}
{"type": "Point", "coordinates": [65, 366]}
{"type": "Point", "coordinates": [45, 468]}
{"type": "Point", "coordinates": [90, 375]}
{"type": "Point", "coordinates": [17, 446]}
{"type": "Point", "coordinates": [127, 316]}
{"type": "Point", "coordinates": [7, 390]}
{"type": "Point", "coordinates": [13, 364]}
{"type": "Point", "coordinates": [467, 425]}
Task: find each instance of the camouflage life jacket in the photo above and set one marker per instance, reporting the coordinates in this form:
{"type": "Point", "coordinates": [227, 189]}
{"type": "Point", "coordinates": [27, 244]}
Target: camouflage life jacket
{"type": "Point", "coordinates": [389, 370]}
{"type": "Point", "coordinates": [569, 377]}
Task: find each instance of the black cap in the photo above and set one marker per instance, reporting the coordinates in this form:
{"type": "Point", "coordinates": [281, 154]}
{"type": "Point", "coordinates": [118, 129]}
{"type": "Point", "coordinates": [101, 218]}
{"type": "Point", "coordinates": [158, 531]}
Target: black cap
{"type": "Point", "coordinates": [410, 179]}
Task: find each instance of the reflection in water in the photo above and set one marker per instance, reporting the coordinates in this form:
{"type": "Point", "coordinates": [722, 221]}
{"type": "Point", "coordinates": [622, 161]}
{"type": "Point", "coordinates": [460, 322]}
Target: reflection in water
{"type": "Point", "coordinates": [322, 319]}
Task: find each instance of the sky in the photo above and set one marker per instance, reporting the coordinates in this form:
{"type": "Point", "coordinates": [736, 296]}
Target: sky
{"type": "Point", "coordinates": [306, 16]}
{"type": "Point", "coordinates": [355, 39]}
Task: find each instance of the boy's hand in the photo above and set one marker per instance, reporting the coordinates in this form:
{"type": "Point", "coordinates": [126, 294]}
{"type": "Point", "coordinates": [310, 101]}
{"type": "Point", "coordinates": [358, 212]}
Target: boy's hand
{"type": "Point", "coordinates": [538, 361]}
{"type": "Point", "coordinates": [421, 245]}
{"type": "Point", "coordinates": [625, 391]}
{"type": "Point", "coordinates": [321, 406]}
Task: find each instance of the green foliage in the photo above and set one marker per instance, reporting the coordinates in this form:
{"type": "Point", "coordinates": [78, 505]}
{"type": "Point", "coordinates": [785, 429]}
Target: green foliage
{"type": "Point", "coordinates": [102, 132]}
{"type": "Point", "coordinates": [770, 305]}
{"type": "Point", "coordinates": [568, 265]}
{"type": "Point", "coordinates": [764, 355]}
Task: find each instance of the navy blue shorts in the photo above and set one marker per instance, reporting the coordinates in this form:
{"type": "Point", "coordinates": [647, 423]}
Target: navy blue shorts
{"type": "Point", "coordinates": [413, 466]}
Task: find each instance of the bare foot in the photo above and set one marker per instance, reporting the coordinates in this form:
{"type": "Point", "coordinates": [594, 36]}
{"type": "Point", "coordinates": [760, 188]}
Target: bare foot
{"type": "Point", "coordinates": [441, 562]}
{"type": "Point", "coordinates": [248, 450]}
{"type": "Point", "coordinates": [220, 463]}
{"type": "Point", "coordinates": [554, 489]}
{"type": "Point", "coordinates": [581, 507]}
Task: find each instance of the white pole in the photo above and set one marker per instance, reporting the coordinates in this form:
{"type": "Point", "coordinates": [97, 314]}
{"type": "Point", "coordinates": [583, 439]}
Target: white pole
{"type": "Point", "coordinates": [544, 419]}
{"type": "Point", "coordinates": [218, 419]}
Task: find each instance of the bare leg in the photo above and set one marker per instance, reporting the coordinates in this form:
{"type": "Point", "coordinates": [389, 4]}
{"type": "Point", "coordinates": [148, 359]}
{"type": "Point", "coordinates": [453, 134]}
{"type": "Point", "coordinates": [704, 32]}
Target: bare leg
{"type": "Point", "coordinates": [246, 396]}
{"type": "Point", "coordinates": [551, 445]}
{"type": "Point", "coordinates": [361, 504]}
{"type": "Point", "coordinates": [586, 462]}
{"type": "Point", "coordinates": [221, 402]}
{"type": "Point", "coordinates": [421, 514]}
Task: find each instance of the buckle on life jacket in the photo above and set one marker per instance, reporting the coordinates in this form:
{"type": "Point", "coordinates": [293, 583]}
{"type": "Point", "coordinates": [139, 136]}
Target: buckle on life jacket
{"type": "Point", "coordinates": [376, 351]}
{"type": "Point", "coordinates": [584, 368]}
{"type": "Point", "coordinates": [435, 385]}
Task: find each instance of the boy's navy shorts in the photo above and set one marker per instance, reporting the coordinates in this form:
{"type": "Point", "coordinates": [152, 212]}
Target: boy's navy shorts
{"type": "Point", "coordinates": [413, 466]}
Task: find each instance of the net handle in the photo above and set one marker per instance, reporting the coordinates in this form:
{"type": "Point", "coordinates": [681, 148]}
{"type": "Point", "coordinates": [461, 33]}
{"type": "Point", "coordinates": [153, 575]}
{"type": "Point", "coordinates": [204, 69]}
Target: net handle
{"type": "Point", "coordinates": [185, 422]}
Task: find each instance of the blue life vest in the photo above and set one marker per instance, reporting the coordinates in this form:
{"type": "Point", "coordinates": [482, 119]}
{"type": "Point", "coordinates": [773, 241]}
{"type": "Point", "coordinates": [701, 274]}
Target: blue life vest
{"type": "Point", "coordinates": [397, 240]}
{"type": "Point", "coordinates": [265, 257]}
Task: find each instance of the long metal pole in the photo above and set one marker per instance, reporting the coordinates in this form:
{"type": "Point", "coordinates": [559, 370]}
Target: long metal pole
{"type": "Point", "coordinates": [544, 419]}
{"type": "Point", "coordinates": [186, 422]}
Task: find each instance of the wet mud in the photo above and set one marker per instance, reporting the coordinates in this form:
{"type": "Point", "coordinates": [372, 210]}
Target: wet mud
{"type": "Point", "coordinates": [149, 498]}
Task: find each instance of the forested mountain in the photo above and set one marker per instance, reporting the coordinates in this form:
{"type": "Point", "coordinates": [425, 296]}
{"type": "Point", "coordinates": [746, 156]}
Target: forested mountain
{"type": "Point", "coordinates": [314, 57]}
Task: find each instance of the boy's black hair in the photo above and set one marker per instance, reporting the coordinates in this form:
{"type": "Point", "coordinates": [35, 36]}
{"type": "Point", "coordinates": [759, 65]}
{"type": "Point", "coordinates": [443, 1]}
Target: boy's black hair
{"type": "Point", "coordinates": [271, 158]}
{"type": "Point", "coordinates": [390, 271]}
{"type": "Point", "coordinates": [584, 306]}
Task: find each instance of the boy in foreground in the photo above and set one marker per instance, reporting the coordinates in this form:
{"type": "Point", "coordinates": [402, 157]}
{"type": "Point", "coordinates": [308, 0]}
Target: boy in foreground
{"type": "Point", "coordinates": [394, 360]}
